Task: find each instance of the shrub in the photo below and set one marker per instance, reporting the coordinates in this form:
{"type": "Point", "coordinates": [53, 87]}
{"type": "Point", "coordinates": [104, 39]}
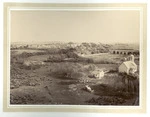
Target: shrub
{"type": "Point", "coordinates": [65, 70]}
{"type": "Point", "coordinates": [71, 55]}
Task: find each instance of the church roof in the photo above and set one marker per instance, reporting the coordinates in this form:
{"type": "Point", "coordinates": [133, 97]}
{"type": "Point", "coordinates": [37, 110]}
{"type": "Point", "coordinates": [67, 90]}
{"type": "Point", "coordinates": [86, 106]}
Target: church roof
{"type": "Point", "coordinates": [129, 64]}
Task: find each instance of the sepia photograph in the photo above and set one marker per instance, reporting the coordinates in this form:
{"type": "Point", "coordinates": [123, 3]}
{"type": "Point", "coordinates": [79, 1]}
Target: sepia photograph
{"type": "Point", "coordinates": [75, 55]}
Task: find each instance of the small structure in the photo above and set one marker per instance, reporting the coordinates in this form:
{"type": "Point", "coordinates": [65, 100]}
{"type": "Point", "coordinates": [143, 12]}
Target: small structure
{"type": "Point", "coordinates": [127, 67]}
{"type": "Point", "coordinates": [89, 89]}
{"type": "Point", "coordinates": [98, 74]}
{"type": "Point", "coordinates": [131, 58]}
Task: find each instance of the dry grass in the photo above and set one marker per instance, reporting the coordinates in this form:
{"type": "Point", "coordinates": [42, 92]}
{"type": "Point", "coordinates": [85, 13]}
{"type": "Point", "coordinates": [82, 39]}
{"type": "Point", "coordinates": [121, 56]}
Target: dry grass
{"type": "Point", "coordinates": [20, 51]}
{"type": "Point", "coordinates": [105, 58]}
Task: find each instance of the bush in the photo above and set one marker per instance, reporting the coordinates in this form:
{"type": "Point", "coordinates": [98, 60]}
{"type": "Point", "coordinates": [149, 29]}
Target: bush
{"type": "Point", "coordinates": [88, 68]}
{"type": "Point", "coordinates": [71, 55]}
{"type": "Point", "coordinates": [65, 70]}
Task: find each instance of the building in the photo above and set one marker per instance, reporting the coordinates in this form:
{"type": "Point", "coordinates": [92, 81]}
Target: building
{"type": "Point", "coordinates": [98, 74]}
{"type": "Point", "coordinates": [128, 67]}
{"type": "Point", "coordinates": [131, 58]}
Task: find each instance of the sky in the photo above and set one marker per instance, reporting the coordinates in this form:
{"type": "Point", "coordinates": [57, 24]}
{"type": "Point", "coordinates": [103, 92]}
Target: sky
{"type": "Point", "coordinates": [75, 26]}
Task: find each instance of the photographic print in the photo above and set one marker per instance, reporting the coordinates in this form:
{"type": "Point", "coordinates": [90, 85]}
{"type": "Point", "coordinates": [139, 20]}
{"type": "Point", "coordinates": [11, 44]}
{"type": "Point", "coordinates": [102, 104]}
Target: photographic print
{"type": "Point", "coordinates": [75, 56]}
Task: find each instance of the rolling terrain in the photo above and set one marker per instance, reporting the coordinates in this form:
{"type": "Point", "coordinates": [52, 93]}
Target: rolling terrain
{"type": "Point", "coordinates": [59, 73]}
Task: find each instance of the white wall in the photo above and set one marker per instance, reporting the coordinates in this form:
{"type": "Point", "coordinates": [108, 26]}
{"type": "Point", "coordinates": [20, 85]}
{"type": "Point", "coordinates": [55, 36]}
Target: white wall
{"type": "Point", "coordinates": [123, 68]}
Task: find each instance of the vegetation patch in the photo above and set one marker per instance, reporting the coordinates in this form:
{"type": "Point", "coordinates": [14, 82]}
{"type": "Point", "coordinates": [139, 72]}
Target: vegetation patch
{"type": "Point", "coordinates": [66, 70]}
{"type": "Point", "coordinates": [106, 100]}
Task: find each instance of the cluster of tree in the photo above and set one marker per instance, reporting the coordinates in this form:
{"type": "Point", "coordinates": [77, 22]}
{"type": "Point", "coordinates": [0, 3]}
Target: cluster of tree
{"type": "Point", "coordinates": [61, 55]}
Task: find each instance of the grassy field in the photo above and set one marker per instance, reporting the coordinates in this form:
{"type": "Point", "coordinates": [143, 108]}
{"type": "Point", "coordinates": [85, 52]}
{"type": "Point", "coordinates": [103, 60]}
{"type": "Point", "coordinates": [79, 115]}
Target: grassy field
{"type": "Point", "coordinates": [65, 82]}
{"type": "Point", "coordinates": [25, 50]}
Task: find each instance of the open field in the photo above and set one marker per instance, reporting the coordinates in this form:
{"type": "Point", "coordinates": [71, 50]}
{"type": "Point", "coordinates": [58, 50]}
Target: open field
{"type": "Point", "coordinates": [25, 50]}
{"type": "Point", "coordinates": [63, 78]}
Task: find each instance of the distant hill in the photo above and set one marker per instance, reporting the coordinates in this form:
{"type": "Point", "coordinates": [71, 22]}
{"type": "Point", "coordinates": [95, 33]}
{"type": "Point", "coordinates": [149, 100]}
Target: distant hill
{"type": "Point", "coordinates": [80, 48]}
{"type": "Point", "coordinates": [93, 48]}
{"type": "Point", "coordinates": [125, 46]}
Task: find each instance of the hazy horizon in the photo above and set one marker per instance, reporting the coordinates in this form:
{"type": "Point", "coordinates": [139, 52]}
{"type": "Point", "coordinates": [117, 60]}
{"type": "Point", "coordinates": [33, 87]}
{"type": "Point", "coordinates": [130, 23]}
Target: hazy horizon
{"type": "Point", "coordinates": [75, 26]}
{"type": "Point", "coordinates": [43, 42]}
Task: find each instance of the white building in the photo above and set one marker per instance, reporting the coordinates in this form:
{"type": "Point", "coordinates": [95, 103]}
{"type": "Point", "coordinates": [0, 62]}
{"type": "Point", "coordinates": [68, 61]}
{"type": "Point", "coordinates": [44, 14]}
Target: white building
{"type": "Point", "coordinates": [128, 67]}
{"type": "Point", "coordinates": [98, 74]}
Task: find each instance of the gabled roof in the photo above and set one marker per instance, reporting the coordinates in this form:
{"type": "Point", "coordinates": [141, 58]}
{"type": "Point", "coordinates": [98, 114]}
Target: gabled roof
{"type": "Point", "coordinates": [129, 64]}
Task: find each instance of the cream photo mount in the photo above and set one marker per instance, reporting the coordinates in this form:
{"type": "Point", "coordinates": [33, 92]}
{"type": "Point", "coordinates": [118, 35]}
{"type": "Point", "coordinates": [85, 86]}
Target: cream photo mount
{"type": "Point", "coordinates": [9, 7]}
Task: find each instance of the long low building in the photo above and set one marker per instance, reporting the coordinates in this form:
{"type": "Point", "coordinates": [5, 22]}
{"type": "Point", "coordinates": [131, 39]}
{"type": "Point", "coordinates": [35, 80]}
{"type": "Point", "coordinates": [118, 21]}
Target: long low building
{"type": "Point", "coordinates": [125, 51]}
